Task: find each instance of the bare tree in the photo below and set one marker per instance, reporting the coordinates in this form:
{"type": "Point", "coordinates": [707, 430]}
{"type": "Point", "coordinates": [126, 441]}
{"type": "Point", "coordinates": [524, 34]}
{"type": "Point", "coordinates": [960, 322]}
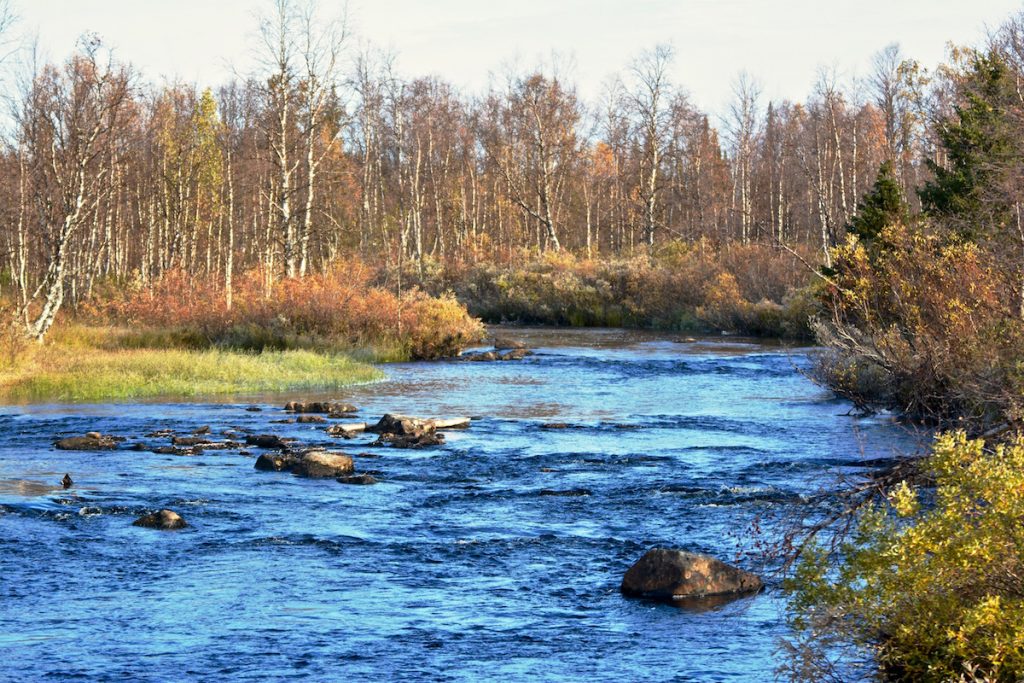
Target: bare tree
{"type": "Point", "coordinates": [69, 121]}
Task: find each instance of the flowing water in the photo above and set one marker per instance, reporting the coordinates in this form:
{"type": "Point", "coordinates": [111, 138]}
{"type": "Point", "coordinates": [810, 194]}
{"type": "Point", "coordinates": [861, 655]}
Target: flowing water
{"type": "Point", "coordinates": [495, 556]}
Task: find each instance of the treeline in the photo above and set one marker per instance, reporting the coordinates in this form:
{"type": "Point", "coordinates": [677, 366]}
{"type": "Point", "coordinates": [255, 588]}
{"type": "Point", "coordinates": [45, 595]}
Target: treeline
{"type": "Point", "coordinates": [328, 151]}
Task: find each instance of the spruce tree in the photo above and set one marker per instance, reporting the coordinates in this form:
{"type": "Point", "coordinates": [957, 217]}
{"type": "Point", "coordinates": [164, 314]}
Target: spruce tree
{"type": "Point", "coordinates": [883, 206]}
{"type": "Point", "coordinates": [965, 194]}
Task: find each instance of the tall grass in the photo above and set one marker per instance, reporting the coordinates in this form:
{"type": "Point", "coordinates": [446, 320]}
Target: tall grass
{"type": "Point", "coordinates": [62, 373]}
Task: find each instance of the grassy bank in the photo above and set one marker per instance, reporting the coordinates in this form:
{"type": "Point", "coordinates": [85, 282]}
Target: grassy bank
{"type": "Point", "coordinates": [63, 373]}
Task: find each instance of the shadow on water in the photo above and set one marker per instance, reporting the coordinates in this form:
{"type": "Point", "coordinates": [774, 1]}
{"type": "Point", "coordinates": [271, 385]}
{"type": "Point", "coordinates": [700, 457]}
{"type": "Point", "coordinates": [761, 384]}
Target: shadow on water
{"type": "Point", "coordinates": [497, 555]}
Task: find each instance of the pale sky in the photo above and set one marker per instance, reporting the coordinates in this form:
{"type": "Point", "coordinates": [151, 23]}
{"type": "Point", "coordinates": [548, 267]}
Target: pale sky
{"type": "Point", "coordinates": [780, 42]}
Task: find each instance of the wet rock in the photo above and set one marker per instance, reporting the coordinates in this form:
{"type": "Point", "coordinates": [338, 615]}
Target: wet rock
{"type": "Point", "coordinates": [415, 440]}
{"type": "Point", "coordinates": [504, 343]}
{"type": "Point", "coordinates": [331, 407]}
{"type": "Point", "coordinates": [671, 574]}
{"type": "Point", "coordinates": [161, 434]}
{"type": "Point", "coordinates": [346, 430]}
{"type": "Point", "coordinates": [139, 446]}
{"type": "Point", "coordinates": [92, 441]}
{"type": "Point", "coordinates": [276, 462]}
{"type": "Point", "coordinates": [322, 464]}
{"type": "Point", "coordinates": [568, 493]}
{"type": "Point", "coordinates": [205, 429]}
{"type": "Point", "coordinates": [189, 440]}
{"type": "Point", "coordinates": [307, 419]}
{"type": "Point", "coordinates": [67, 482]}
{"type": "Point", "coordinates": [480, 356]}
{"type": "Point", "coordinates": [515, 354]}
{"type": "Point", "coordinates": [556, 425]}
{"type": "Point", "coordinates": [173, 450]}
{"type": "Point", "coordinates": [253, 409]}
{"type": "Point", "coordinates": [285, 421]}
{"type": "Point", "coordinates": [269, 441]}
{"type": "Point", "coordinates": [358, 479]}
{"type": "Point", "coordinates": [401, 425]}
{"type": "Point", "coordinates": [163, 519]}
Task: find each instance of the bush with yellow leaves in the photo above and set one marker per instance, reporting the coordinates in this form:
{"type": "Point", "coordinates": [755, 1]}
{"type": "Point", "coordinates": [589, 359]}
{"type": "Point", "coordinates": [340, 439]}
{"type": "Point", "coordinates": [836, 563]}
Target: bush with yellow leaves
{"type": "Point", "coordinates": [931, 585]}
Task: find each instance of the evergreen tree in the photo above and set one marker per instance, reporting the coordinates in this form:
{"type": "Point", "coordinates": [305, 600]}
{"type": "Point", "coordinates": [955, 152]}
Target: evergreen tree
{"type": "Point", "coordinates": [883, 206]}
{"type": "Point", "coordinates": [966, 193]}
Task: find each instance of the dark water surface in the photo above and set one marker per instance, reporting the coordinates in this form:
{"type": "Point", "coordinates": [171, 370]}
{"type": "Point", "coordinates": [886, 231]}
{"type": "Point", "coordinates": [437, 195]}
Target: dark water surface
{"type": "Point", "coordinates": [496, 556]}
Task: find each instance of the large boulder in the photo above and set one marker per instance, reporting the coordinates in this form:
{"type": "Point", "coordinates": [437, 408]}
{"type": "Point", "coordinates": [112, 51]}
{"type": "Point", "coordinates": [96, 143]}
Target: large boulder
{"type": "Point", "coordinates": [162, 519]}
{"type": "Point", "coordinates": [670, 574]}
{"type": "Point", "coordinates": [321, 464]}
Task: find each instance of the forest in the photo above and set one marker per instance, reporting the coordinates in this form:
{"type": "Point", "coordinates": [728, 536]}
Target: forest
{"type": "Point", "coordinates": [328, 208]}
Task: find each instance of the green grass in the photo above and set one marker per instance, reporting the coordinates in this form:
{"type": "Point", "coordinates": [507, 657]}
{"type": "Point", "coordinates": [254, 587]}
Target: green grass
{"type": "Point", "coordinates": [66, 373]}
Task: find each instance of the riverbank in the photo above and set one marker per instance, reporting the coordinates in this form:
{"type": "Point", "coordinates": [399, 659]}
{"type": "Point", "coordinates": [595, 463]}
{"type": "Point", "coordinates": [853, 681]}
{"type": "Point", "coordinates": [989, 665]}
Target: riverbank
{"type": "Point", "coordinates": [66, 373]}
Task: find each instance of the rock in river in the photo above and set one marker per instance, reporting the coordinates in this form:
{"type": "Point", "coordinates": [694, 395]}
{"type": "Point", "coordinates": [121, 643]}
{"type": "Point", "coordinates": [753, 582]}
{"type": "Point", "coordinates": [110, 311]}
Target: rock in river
{"type": "Point", "coordinates": [671, 574]}
{"type": "Point", "coordinates": [266, 441]}
{"type": "Point", "coordinates": [163, 519]}
{"type": "Point", "coordinates": [358, 479]}
{"type": "Point", "coordinates": [93, 441]}
{"type": "Point", "coordinates": [276, 462]}
{"type": "Point", "coordinates": [321, 464]}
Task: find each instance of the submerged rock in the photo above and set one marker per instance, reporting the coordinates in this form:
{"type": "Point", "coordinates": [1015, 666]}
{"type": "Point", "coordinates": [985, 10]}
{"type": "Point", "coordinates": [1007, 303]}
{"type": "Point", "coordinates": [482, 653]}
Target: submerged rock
{"type": "Point", "coordinates": [163, 519]}
{"type": "Point", "coordinates": [358, 479]}
{"type": "Point", "coordinates": [670, 574]}
{"type": "Point", "coordinates": [189, 440]}
{"type": "Point", "coordinates": [321, 464]}
{"type": "Point", "coordinates": [306, 419]}
{"type": "Point", "coordinates": [67, 482]}
{"type": "Point", "coordinates": [269, 441]}
{"type": "Point", "coordinates": [415, 440]}
{"type": "Point", "coordinates": [92, 441]}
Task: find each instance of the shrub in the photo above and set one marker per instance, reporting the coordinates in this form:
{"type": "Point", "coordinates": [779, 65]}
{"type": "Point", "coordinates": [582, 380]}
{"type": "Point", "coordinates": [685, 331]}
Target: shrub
{"type": "Point", "coordinates": [336, 310]}
{"type": "Point", "coordinates": [932, 584]}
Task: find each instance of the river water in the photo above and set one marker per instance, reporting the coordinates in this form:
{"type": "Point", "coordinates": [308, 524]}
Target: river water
{"type": "Point", "coordinates": [495, 556]}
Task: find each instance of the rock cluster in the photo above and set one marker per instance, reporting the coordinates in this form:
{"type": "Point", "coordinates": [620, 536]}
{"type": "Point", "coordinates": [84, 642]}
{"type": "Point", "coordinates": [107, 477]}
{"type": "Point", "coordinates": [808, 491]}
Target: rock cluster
{"type": "Point", "coordinates": [91, 441]}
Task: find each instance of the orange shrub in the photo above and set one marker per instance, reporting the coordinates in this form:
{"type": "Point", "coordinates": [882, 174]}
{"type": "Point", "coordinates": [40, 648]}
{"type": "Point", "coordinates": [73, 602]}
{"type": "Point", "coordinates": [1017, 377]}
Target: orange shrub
{"type": "Point", "coordinates": [339, 308]}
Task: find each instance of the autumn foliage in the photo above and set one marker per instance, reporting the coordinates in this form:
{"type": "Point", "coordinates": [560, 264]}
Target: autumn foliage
{"type": "Point", "coordinates": [340, 309]}
{"type": "Point", "coordinates": [745, 289]}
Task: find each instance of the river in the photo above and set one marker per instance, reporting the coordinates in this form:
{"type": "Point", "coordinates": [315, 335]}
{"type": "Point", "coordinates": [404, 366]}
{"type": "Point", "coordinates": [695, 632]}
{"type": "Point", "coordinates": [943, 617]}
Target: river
{"type": "Point", "coordinates": [495, 556]}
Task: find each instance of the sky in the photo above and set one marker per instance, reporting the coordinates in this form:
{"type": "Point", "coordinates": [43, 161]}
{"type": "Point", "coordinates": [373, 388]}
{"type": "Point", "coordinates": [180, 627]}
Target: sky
{"type": "Point", "coordinates": [782, 43]}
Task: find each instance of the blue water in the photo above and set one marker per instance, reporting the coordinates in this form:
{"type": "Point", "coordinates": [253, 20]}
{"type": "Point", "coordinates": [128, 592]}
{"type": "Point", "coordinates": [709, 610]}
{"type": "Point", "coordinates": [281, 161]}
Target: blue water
{"type": "Point", "coordinates": [496, 556]}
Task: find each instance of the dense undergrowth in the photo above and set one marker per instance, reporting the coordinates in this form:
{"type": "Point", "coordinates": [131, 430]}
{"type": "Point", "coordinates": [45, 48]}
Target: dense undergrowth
{"type": "Point", "coordinates": [337, 311]}
{"type": "Point", "coordinates": [755, 290]}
